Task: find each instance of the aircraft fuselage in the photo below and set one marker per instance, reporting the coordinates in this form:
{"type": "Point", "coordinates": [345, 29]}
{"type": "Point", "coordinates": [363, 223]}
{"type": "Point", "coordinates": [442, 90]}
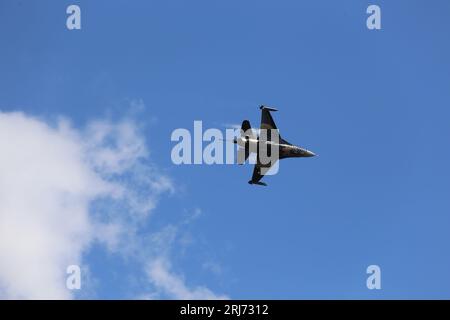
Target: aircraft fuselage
{"type": "Point", "coordinates": [285, 150]}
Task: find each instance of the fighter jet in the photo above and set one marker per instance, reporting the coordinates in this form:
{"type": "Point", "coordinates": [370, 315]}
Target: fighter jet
{"type": "Point", "coordinates": [251, 143]}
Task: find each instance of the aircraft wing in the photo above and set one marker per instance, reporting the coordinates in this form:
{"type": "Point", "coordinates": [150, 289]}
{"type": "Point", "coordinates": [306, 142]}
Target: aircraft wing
{"type": "Point", "coordinates": [258, 172]}
{"type": "Point", "coordinates": [266, 118]}
{"type": "Point", "coordinates": [268, 124]}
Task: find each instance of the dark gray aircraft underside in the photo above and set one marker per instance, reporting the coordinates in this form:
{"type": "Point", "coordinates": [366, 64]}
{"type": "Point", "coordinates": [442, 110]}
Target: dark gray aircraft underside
{"type": "Point", "coordinates": [264, 144]}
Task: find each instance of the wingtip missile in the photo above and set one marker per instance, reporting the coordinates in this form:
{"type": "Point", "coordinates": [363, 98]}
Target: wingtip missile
{"type": "Point", "coordinates": [263, 107]}
{"type": "Point", "coordinates": [259, 183]}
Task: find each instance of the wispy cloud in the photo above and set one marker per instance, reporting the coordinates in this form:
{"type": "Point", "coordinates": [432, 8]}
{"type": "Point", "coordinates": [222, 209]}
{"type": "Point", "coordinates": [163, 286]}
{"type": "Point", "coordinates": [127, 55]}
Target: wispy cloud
{"type": "Point", "coordinates": [234, 126]}
{"type": "Point", "coordinates": [213, 267]}
{"type": "Point", "coordinates": [161, 276]}
{"type": "Point", "coordinates": [167, 283]}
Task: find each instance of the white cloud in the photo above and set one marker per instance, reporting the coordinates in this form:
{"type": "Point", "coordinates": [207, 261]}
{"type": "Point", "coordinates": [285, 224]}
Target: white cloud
{"type": "Point", "coordinates": [63, 188]}
{"type": "Point", "coordinates": [174, 285]}
{"type": "Point", "coordinates": [45, 191]}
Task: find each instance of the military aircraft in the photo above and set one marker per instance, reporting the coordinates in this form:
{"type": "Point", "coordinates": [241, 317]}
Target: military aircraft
{"type": "Point", "coordinates": [251, 143]}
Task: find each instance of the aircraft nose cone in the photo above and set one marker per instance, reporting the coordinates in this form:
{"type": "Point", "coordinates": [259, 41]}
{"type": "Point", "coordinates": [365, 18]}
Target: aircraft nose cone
{"type": "Point", "coordinates": [310, 153]}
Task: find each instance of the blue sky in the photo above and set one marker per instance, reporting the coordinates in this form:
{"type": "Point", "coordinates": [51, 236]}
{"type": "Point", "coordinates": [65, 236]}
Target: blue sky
{"type": "Point", "coordinates": [373, 104]}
